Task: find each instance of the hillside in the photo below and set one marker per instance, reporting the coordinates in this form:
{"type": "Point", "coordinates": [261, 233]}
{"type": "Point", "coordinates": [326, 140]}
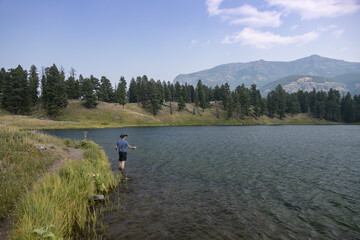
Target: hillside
{"type": "Point", "coordinates": [113, 115]}
{"type": "Point", "coordinates": [264, 72]}
{"type": "Point", "coordinates": [306, 83]}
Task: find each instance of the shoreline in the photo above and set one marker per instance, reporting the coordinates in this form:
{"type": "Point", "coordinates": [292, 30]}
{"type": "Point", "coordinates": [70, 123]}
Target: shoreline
{"type": "Point", "coordinates": [70, 171]}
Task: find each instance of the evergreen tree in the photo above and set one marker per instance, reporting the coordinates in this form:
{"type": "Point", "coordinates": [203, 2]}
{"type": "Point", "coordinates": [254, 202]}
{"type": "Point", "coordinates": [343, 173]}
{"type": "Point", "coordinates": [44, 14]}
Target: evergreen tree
{"type": "Point", "coordinates": [143, 91]}
{"type": "Point", "coordinates": [357, 107]}
{"type": "Point", "coordinates": [293, 106]}
{"type": "Point", "coordinates": [217, 93]}
{"type": "Point", "coordinates": [121, 92]}
{"type": "Point", "coordinates": [132, 93]}
{"type": "Point", "coordinates": [184, 93]}
{"type": "Point", "coordinates": [272, 103]}
{"type": "Point", "coordinates": [203, 101]}
{"type": "Point", "coordinates": [281, 96]}
{"type": "Point", "coordinates": [320, 104]}
{"type": "Point", "coordinates": [71, 91]}
{"type": "Point", "coordinates": [106, 92]}
{"type": "Point", "coordinates": [167, 93]}
{"type": "Point", "coordinates": [89, 96]}
{"type": "Point", "coordinates": [2, 82]}
{"type": "Point", "coordinates": [224, 93]}
{"type": "Point", "coordinates": [191, 93]}
{"type": "Point", "coordinates": [333, 105]}
{"type": "Point", "coordinates": [96, 85]}
{"type": "Point", "coordinates": [303, 101]}
{"type": "Point", "coordinates": [229, 106]}
{"type": "Point", "coordinates": [181, 103]}
{"type": "Point", "coordinates": [244, 98]}
{"type": "Point", "coordinates": [54, 96]}
{"type": "Point", "coordinates": [160, 90]}
{"type": "Point", "coordinates": [172, 90]}
{"type": "Point", "coordinates": [177, 91]}
{"type": "Point", "coordinates": [348, 109]}
{"type": "Point", "coordinates": [262, 108]}
{"type": "Point", "coordinates": [33, 85]}
{"type": "Point", "coordinates": [15, 96]}
{"type": "Point", "coordinates": [153, 96]}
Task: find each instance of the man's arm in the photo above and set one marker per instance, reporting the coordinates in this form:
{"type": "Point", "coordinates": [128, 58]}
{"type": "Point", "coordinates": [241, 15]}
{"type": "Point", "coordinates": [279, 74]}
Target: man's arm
{"type": "Point", "coordinates": [116, 147]}
{"type": "Point", "coordinates": [131, 147]}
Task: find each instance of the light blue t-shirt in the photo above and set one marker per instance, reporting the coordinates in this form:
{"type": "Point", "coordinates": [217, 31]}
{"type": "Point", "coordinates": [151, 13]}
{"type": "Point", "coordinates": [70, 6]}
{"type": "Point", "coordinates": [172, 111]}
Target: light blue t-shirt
{"type": "Point", "coordinates": [122, 145]}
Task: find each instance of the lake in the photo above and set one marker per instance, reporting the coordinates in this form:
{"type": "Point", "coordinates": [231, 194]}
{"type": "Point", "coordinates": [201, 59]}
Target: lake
{"type": "Point", "coordinates": [235, 182]}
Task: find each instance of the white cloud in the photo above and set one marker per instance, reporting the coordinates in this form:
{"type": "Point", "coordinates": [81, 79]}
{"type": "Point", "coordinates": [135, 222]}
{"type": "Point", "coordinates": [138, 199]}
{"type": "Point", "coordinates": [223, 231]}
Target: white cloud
{"type": "Point", "coordinates": [294, 27]}
{"type": "Point", "coordinates": [265, 40]}
{"type": "Point", "coordinates": [337, 33]}
{"type": "Point", "coordinates": [244, 15]}
{"type": "Point", "coordinates": [312, 9]}
{"type": "Point", "coordinates": [327, 28]}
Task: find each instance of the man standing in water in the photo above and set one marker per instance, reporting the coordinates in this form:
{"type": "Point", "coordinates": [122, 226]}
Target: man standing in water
{"type": "Point", "coordinates": [121, 146]}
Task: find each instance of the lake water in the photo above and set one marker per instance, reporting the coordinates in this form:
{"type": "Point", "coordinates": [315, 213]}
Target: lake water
{"type": "Point", "coordinates": [248, 182]}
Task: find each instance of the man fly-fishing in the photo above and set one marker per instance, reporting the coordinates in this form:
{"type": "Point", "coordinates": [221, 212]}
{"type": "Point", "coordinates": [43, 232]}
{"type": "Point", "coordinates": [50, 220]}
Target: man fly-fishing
{"type": "Point", "coordinates": [121, 146]}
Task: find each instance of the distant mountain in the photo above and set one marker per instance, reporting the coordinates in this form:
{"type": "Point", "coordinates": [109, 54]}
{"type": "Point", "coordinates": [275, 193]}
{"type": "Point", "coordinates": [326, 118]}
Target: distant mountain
{"type": "Point", "coordinates": [349, 82]}
{"type": "Point", "coordinates": [264, 72]}
{"type": "Point", "coordinates": [304, 82]}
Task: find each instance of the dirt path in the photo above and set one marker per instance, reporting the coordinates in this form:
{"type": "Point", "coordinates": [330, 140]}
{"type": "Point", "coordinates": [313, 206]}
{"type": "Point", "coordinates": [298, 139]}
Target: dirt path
{"type": "Point", "coordinates": [69, 153]}
{"type": "Point", "coordinates": [73, 154]}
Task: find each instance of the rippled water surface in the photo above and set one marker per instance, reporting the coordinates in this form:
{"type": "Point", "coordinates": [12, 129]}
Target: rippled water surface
{"type": "Point", "coordinates": [250, 182]}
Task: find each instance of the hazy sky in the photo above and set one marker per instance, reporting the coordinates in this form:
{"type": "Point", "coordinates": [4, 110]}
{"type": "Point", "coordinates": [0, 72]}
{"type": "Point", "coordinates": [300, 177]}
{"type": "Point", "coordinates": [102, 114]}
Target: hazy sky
{"type": "Point", "coordinates": [163, 38]}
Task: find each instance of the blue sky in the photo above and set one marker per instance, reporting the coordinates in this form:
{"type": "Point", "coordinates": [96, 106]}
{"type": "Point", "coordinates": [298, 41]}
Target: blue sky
{"type": "Point", "coordinates": [163, 38]}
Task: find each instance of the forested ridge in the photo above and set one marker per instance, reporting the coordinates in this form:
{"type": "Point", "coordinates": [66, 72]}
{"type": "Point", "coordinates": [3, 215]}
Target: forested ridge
{"type": "Point", "coordinates": [51, 88]}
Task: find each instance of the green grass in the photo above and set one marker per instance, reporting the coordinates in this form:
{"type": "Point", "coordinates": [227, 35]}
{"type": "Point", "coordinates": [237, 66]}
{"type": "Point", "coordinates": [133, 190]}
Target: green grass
{"type": "Point", "coordinates": [58, 205]}
{"type": "Point", "coordinates": [108, 115]}
{"type": "Point", "coordinates": [22, 162]}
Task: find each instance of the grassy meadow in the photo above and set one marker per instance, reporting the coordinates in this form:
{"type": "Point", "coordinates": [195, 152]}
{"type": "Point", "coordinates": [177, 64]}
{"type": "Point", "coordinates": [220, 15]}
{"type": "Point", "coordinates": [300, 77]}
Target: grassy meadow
{"type": "Point", "coordinates": [55, 204]}
{"type": "Point", "coordinates": [75, 116]}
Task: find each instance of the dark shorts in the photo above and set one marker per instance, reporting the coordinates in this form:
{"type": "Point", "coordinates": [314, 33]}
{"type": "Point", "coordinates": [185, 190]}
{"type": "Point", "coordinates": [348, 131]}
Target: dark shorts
{"type": "Point", "coordinates": [122, 156]}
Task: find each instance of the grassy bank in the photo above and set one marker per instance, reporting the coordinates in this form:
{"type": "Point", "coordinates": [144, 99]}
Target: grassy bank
{"type": "Point", "coordinates": [59, 204]}
{"type": "Point", "coordinates": [42, 204]}
{"type": "Point", "coordinates": [22, 162]}
{"type": "Point", "coordinates": [106, 115]}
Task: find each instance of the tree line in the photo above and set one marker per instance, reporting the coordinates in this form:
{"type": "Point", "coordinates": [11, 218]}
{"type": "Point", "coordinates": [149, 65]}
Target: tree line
{"type": "Point", "coordinates": [19, 92]}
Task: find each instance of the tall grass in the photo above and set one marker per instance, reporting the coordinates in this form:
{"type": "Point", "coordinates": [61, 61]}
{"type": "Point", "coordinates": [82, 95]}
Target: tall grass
{"type": "Point", "coordinates": [58, 206]}
{"type": "Point", "coordinates": [21, 163]}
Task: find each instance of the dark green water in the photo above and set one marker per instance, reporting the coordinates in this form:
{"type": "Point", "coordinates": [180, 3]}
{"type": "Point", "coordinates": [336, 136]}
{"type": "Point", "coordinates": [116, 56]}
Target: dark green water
{"type": "Point", "coordinates": [252, 182]}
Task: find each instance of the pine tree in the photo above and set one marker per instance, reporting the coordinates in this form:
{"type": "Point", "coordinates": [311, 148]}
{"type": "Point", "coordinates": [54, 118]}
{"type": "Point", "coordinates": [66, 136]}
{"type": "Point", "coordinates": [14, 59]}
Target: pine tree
{"type": "Point", "coordinates": [281, 97]}
{"type": "Point", "coordinates": [121, 92]}
{"type": "Point", "coordinates": [244, 98]}
{"type": "Point", "coordinates": [191, 93]}
{"type": "Point", "coordinates": [229, 106]}
{"type": "Point", "coordinates": [177, 91]}
{"type": "Point", "coordinates": [2, 82]}
{"type": "Point", "coordinates": [89, 96]}
{"type": "Point", "coordinates": [167, 93]}
{"type": "Point", "coordinates": [172, 90]}
{"type": "Point", "coordinates": [153, 96]}
{"type": "Point", "coordinates": [217, 93]}
{"type": "Point", "coordinates": [33, 85]}
{"type": "Point", "coordinates": [181, 103]}
{"type": "Point", "coordinates": [54, 96]}
{"type": "Point", "coordinates": [160, 90]}
{"type": "Point", "coordinates": [333, 105]}
{"type": "Point", "coordinates": [132, 93]}
{"type": "Point", "coordinates": [143, 91]}
{"type": "Point", "coordinates": [106, 92]}
{"type": "Point", "coordinates": [203, 101]}
{"type": "Point", "coordinates": [16, 98]}
{"type": "Point", "coordinates": [293, 106]}
{"type": "Point", "coordinates": [348, 109]}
